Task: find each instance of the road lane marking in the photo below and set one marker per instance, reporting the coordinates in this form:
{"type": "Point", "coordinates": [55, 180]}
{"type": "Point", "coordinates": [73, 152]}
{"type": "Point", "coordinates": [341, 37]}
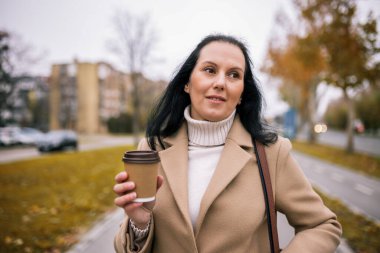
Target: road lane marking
{"type": "Point", "coordinates": [337, 177]}
{"type": "Point", "coordinates": [363, 189]}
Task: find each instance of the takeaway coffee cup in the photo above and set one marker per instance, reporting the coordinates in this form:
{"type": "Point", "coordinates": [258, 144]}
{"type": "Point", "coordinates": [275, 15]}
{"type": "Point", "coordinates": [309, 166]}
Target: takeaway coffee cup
{"type": "Point", "coordinates": [142, 168]}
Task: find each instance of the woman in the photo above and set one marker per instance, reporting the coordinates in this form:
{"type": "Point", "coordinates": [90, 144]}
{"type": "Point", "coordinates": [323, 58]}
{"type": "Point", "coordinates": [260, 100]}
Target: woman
{"type": "Point", "coordinates": [210, 197]}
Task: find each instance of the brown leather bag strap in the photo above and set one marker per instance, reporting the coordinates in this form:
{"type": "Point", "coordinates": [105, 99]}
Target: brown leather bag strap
{"type": "Point", "coordinates": [268, 196]}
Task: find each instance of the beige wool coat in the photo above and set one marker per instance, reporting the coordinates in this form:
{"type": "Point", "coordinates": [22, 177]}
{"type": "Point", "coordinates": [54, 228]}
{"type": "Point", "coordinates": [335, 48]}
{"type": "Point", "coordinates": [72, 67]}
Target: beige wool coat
{"type": "Point", "coordinates": [232, 213]}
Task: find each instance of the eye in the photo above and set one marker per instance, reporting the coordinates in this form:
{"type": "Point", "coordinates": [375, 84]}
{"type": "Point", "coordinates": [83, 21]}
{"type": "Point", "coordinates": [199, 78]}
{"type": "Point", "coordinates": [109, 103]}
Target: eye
{"type": "Point", "coordinates": [209, 70]}
{"type": "Point", "coordinates": [234, 75]}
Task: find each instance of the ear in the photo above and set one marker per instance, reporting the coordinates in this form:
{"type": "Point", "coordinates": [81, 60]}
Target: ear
{"type": "Point", "coordinates": [239, 101]}
{"type": "Point", "coordinates": [186, 89]}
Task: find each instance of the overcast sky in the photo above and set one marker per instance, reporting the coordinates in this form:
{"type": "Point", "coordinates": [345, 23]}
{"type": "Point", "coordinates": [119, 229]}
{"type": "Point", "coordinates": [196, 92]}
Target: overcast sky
{"type": "Point", "coordinates": [68, 29]}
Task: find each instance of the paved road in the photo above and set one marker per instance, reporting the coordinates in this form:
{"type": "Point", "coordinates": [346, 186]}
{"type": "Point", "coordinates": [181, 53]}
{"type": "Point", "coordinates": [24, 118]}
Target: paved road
{"type": "Point", "coordinates": [85, 143]}
{"type": "Point", "coordinates": [363, 144]}
{"type": "Point", "coordinates": [17, 154]}
{"type": "Point", "coordinates": [361, 193]}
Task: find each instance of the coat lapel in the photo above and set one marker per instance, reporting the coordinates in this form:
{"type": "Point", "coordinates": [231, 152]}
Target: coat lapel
{"type": "Point", "coordinates": [174, 162]}
{"type": "Point", "coordinates": [233, 159]}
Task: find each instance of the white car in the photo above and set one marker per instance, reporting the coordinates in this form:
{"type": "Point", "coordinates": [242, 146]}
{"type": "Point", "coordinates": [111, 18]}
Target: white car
{"type": "Point", "coordinates": [8, 136]}
{"type": "Point", "coordinates": [29, 136]}
{"type": "Point", "coordinates": [16, 135]}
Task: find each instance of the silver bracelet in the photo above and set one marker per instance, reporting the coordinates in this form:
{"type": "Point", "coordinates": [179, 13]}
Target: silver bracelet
{"type": "Point", "coordinates": [139, 233]}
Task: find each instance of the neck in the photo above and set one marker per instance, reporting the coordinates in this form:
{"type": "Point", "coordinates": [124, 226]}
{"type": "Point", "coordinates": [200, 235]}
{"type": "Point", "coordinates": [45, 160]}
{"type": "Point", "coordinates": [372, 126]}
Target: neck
{"type": "Point", "coordinates": [206, 133]}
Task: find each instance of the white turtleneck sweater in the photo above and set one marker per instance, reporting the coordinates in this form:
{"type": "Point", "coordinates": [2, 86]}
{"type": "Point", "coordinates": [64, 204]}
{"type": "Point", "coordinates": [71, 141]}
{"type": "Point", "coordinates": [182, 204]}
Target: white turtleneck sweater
{"type": "Point", "coordinates": [206, 142]}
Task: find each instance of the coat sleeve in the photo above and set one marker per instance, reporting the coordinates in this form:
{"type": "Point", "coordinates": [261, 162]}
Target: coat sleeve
{"type": "Point", "coordinates": [316, 227]}
{"type": "Point", "coordinates": [124, 238]}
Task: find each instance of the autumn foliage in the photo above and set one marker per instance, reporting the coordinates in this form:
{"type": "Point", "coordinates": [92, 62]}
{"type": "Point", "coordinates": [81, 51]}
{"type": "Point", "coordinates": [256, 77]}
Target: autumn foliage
{"type": "Point", "coordinates": [328, 44]}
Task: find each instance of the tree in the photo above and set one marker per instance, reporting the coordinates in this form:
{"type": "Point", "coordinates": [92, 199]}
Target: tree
{"type": "Point", "coordinates": [134, 46]}
{"type": "Point", "coordinates": [16, 57]}
{"type": "Point", "coordinates": [6, 80]}
{"type": "Point", "coordinates": [336, 114]}
{"type": "Point", "coordinates": [350, 46]}
{"type": "Point", "coordinates": [299, 63]}
{"type": "Point", "coordinates": [368, 109]}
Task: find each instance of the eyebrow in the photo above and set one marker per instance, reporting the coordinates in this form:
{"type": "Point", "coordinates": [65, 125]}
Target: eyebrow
{"type": "Point", "coordinates": [213, 63]}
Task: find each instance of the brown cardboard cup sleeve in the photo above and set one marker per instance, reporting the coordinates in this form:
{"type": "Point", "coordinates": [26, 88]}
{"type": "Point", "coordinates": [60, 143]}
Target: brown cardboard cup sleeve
{"type": "Point", "coordinates": [142, 168]}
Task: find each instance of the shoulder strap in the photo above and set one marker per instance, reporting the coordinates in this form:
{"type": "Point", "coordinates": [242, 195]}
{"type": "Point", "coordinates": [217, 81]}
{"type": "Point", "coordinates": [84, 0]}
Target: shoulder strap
{"type": "Point", "coordinates": [268, 196]}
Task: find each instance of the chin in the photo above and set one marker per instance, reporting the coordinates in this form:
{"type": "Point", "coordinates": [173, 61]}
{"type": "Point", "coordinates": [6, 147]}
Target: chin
{"type": "Point", "coordinates": [215, 118]}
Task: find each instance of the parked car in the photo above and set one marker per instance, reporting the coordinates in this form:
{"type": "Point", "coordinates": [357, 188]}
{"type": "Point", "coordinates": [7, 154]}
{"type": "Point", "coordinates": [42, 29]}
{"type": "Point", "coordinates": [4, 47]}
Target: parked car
{"type": "Point", "coordinates": [20, 136]}
{"type": "Point", "coordinates": [28, 136]}
{"type": "Point", "coordinates": [8, 136]}
{"type": "Point", "coordinates": [58, 140]}
{"type": "Point", "coordinates": [358, 126]}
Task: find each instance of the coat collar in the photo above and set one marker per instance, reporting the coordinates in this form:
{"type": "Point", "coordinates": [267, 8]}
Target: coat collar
{"type": "Point", "coordinates": [174, 161]}
{"type": "Point", "coordinates": [239, 135]}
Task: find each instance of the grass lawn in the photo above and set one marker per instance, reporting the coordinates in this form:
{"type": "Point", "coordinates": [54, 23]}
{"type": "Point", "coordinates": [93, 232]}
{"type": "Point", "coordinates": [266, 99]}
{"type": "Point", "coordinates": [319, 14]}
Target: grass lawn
{"type": "Point", "coordinates": [361, 233]}
{"type": "Point", "coordinates": [46, 202]}
{"type": "Point", "coordinates": [359, 162]}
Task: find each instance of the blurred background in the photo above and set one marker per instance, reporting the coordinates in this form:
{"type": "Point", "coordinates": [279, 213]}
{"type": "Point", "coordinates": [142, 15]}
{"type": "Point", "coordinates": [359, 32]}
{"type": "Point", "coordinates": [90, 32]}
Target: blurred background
{"type": "Point", "coordinates": [93, 66]}
{"type": "Point", "coordinates": [83, 75]}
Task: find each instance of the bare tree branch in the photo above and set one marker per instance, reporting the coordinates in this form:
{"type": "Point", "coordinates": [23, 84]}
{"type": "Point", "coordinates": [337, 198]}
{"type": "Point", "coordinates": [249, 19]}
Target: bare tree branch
{"type": "Point", "coordinates": [134, 46]}
{"type": "Point", "coordinates": [16, 58]}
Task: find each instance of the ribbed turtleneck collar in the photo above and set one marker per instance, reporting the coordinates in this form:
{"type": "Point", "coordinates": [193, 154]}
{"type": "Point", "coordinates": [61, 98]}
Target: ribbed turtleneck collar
{"type": "Point", "coordinates": [207, 133]}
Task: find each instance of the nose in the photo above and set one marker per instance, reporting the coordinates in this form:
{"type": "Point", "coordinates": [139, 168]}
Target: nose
{"type": "Point", "coordinates": [220, 81]}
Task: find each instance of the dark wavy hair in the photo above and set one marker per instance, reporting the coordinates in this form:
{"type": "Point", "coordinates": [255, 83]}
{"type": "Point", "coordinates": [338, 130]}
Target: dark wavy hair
{"type": "Point", "coordinates": [168, 114]}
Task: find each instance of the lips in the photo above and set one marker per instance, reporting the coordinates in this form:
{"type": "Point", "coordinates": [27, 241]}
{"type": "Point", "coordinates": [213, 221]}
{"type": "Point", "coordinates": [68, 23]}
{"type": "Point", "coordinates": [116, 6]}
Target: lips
{"type": "Point", "coordinates": [216, 98]}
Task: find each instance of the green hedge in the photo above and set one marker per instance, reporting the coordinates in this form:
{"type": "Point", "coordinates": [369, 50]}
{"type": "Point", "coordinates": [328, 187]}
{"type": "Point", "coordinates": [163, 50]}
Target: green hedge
{"type": "Point", "coordinates": [120, 124]}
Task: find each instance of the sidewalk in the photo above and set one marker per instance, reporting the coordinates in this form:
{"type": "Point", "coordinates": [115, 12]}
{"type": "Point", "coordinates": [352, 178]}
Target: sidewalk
{"type": "Point", "coordinates": [99, 239]}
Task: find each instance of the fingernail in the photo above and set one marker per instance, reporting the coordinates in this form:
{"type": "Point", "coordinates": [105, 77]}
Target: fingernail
{"type": "Point", "coordinates": [118, 188]}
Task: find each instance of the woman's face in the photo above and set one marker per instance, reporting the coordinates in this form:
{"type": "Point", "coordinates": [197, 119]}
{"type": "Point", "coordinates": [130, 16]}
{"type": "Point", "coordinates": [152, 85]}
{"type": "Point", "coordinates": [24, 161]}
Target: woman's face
{"type": "Point", "coordinates": [216, 82]}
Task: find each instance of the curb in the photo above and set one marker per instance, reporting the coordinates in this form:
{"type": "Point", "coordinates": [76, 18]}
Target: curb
{"type": "Point", "coordinates": [97, 231]}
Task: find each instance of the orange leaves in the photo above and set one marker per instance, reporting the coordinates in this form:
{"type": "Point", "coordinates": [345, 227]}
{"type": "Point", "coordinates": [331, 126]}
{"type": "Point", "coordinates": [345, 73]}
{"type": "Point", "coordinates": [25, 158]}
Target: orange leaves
{"type": "Point", "coordinates": [299, 62]}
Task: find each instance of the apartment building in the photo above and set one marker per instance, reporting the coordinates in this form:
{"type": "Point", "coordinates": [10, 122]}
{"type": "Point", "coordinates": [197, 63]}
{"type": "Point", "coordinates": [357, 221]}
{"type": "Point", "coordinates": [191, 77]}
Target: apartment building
{"type": "Point", "coordinates": [83, 96]}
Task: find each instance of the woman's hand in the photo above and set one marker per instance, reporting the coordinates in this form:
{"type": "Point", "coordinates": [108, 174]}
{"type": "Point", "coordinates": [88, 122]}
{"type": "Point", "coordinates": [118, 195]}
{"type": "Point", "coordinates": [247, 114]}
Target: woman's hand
{"type": "Point", "coordinates": [139, 212]}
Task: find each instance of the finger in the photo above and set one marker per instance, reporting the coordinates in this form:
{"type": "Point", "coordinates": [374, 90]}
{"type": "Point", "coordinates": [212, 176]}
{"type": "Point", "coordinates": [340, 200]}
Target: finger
{"type": "Point", "coordinates": [122, 188]}
{"type": "Point", "coordinates": [121, 177]}
{"type": "Point", "coordinates": [123, 200]}
{"type": "Point", "coordinates": [132, 206]}
{"type": "Point", "coordinates": [160, 181]}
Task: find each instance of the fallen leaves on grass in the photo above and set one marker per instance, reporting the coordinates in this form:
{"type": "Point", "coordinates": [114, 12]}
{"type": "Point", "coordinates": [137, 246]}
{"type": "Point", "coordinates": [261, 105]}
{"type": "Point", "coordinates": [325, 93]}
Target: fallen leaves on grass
{"type": "Point", "coordinates": [361, 233]}
{"type": "Point", "coordinates": [359, 162]}
{"type": "Point", "coordinates": [46, 202]}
